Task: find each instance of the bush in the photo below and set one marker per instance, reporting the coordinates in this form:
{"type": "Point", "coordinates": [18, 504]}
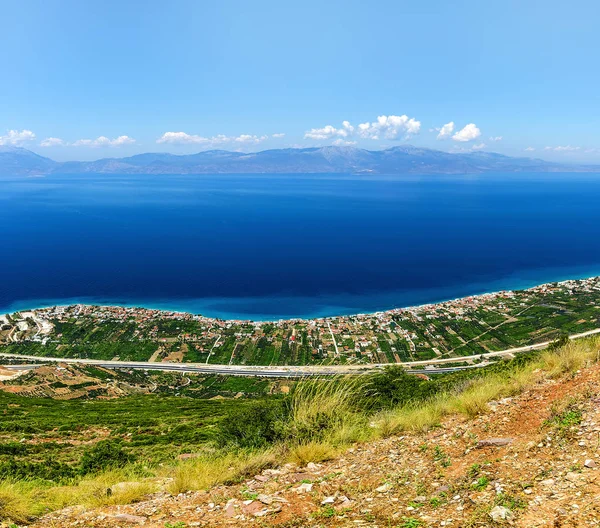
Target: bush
{"type": "Point", "coordinates": [106, 454]}
{"type": "Point", "coordinates": [254, 425]}
{"type": "Point", "coordinates": [46, 470]}
{"type": "Point", "coordinates": [394, 387]}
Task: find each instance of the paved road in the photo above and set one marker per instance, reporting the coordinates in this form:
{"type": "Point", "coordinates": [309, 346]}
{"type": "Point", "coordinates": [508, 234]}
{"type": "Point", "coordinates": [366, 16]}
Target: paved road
{"type": "Point", "coordinates": [435, 365]}
{"type": "Point", "coordinates": [267, 372]}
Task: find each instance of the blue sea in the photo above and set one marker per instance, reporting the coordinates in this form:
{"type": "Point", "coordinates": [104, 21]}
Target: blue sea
{"type": "Point", "coordinates": [266, 247]}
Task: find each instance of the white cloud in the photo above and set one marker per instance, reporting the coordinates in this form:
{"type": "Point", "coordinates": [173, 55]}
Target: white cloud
{"type": "Point", "coordinates": [389, 127]}
{"type": "Point", "coordinates": [343, 143]}
{"type": "Point", "coordinates": [496, 138]}
{"type": "Point", "coordinates": [247, 138]}
{"type": "Point", "coordinates": [277, 136]}
{"type": "Point", "coordinates": [53, 142]}
{"type": "Point", "coordinates": [446, 130]}
{"type": "Point", "coordinates": [529, 149]}
{"type": "Point", "coordinates": [566, 148]}
{"type": "Point", "coordinates": [16, 138]}
{"type": "Point", "coordinates": [478, 147]}
{"type": "Point", "coordinates": [468, 133]}
{"type": "Point", "coordinates": [386, 127]}
{"type": "Point", "coordinates": [181, 138]}
{"type": "Point", "coordinates": [330, 132]}
{"type": "Point", "coordinates": [103, 141]}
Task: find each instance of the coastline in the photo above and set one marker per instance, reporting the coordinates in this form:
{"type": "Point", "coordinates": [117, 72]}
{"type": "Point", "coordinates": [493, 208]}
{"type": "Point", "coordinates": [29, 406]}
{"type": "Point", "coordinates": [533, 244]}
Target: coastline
{"type": "Point", "coordinates": [337, 312]}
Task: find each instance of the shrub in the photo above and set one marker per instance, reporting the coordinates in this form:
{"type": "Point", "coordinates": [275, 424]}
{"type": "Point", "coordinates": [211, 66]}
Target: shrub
{"type": "Point", "coordinates": [254, 425]}
{"type": "Point", "coordinates": [394, 387]}
{"type": "Point", "coordinates": [46, 470]}
{"type": "Point", "coordinates": [106, 454]}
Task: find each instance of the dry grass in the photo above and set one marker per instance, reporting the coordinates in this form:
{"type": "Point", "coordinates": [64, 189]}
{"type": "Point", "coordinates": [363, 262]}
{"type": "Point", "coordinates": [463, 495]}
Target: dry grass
{"type": "Point", "coordinates": [312, 451]}
{"type": "Point", "coordinates": [323, 411]}
{"type": "Point", "coordinates": [473, 399]}
{"type": "Point", "coordinates": [94, 491]}
{"type": "Point", "coordinates": [17, 501]}
{"type": "Point", "coordinates": [206, 471]}
{"type": "Point", "coordinates": [572, 357]}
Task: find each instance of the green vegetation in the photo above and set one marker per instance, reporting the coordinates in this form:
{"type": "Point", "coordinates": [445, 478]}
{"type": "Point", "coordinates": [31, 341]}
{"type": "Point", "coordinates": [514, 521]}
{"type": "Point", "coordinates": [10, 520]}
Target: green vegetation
{"type": "Point", "coordinates": [464, 327]}
{"type": "Point", "coordinates": [138, 438]}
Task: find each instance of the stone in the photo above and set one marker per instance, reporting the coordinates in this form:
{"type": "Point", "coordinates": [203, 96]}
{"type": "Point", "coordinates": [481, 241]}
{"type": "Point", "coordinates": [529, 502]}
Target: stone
{"type": "Point", "coordinates": [500, 513]}
{"type": "Point", "coordinates": [384, 488]}
{"type": "Point", "coordinates": [253, 508]}
{"type": "Point", "coordinates": [265, 499]}
{"type": "Point", "coordinates": [494, 442]}
{"type": "Point", "coordinates": [589, 463]}
{"type": "Point", "coordinates": [304, 488]}
{"type": "Point", "coordinates": [230, 508]}
{"type": "Point", "coordinates": [297, 477]}
{"type": "Point", "coordinates": [328, 500]}
{"type": "Point", "coordinates": [420, 499]}
{"type": "Point", "coordinates": [127, 518]}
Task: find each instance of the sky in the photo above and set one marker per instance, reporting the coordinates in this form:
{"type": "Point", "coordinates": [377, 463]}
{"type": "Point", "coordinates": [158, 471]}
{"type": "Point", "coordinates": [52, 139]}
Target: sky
{"type": "Point", "coordinates": [87, 80]}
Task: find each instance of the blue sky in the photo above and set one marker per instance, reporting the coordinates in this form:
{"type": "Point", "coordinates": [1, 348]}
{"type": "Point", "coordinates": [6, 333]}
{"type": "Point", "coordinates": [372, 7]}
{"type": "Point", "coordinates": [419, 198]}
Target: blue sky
{"type": "Point", "coordinates": [96, 79]}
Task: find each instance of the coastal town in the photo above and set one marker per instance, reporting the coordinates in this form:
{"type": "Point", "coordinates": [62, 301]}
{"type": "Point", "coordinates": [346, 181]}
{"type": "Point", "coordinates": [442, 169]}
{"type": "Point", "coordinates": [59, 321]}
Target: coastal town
{"type": "Point", "coordinates": [454, 329]}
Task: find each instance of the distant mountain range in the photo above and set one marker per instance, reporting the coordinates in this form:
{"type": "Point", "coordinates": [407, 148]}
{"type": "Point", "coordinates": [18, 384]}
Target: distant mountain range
{"type": "Point", "coordinates": [396, 160]}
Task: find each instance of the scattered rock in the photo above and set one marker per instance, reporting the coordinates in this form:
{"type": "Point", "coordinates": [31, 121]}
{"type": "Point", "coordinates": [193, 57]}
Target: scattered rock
{"type": "Point", "coordinates": [384, 488]}
{"type": "Point", "coordinates": [328, 500]}
{"type": "Point", "coordinates": [589, 463]}
{"type": "Point", "coordinates": [265, 499]}
{"type": "Point", "coordinates": [252, 508]}
{"type": "Point", "coordinates": [494, 442]}
{"type": "Point", "coordinates": [500, 513]}
{"type": "Point", "coordinates": [127, 518]}
{"type": "Point", "coordinates": [230, 508]}
{"type": "Point", "coordinates": [304, 488]}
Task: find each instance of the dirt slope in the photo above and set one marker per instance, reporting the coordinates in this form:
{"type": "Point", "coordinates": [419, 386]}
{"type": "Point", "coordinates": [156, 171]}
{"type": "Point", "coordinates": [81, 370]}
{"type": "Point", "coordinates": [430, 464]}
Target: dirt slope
{"type": "Point", "coordinates": [508, 467]}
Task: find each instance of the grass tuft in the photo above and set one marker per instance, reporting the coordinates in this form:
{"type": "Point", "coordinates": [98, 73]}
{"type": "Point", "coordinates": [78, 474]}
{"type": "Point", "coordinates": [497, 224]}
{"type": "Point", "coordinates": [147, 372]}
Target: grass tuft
{"type": "Point", "coordinates": [209, 470]}
{"type": "Point", "coordinates": [312, 451]}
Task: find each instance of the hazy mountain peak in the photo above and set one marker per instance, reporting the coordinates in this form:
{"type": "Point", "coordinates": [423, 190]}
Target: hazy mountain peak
{"type": "Point", "coordinates": [401, 159]}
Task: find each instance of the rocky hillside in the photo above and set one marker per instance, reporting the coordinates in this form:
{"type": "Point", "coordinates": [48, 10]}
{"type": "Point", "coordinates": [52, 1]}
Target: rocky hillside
{"type": "Point", "coordinates": [528, 461]}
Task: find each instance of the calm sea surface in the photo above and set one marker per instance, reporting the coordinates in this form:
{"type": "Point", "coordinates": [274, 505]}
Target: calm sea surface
{"type": "Point", "coordinates": [272, 246]}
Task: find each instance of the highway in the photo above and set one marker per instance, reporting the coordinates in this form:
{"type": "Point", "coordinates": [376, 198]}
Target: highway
{"type": "Point", "coordinates": [431, 366]}
{"type": "Point", "coordinates": [233, 370]}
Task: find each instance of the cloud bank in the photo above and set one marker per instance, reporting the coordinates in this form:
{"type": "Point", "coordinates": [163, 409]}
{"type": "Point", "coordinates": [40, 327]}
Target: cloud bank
{"type": "Point", "coordinates": [16, 137]}
{"type": "Point", "coordinates": [386, 127]}
{"type": "Point", "coordinates": [183, 138]}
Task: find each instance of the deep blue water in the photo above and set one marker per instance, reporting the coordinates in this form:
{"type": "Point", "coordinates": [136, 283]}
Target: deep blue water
{"type": "Point", "coordinates": [265, 247]}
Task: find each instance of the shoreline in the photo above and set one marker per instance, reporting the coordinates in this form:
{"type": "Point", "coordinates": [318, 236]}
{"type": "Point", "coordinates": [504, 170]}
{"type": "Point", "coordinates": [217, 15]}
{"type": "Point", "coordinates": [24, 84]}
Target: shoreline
{"type": "Point", "coordinates": [157, 308]}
